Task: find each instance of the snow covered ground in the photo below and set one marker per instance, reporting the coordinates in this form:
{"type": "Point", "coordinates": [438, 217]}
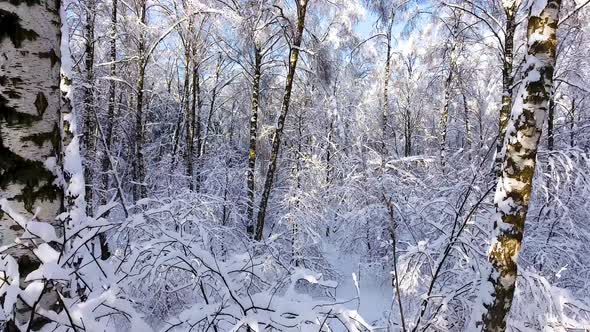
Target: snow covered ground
{"type": "Point", "coordinates": [364, 292]}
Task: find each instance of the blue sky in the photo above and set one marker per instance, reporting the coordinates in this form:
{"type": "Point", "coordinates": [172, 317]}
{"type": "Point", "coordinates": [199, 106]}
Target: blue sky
{"type": "Point", "coordinates": [365, 26]}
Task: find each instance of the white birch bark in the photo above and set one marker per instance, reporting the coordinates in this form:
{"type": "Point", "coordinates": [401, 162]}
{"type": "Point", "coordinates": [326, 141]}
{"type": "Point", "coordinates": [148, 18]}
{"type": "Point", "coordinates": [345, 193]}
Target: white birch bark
{"type": "Point", "coordinates": [515, 182]}
{"type": "Point", "coordinates": [29, 112]}
{"type": "Point", "coordinates": [30, 140]}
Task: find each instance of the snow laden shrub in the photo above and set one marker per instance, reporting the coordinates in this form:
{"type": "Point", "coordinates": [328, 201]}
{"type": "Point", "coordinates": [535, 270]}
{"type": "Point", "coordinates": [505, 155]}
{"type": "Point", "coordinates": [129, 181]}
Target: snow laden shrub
{"type": "Point", "coordinates": [81, 290]}
{"type": "Point", "coordinates": [550, 296]}
{"type": "Point", "coordinates": [187, 272]}
{"type": "Point", "coordinates": [408, 217]}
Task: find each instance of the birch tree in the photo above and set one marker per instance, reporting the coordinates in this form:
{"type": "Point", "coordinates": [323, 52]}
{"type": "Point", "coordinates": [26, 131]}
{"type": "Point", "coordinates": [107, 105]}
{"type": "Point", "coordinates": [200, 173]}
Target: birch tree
{"type": "Point", "coordinates": [259, 38]}
{"type": "Point", "coordinates": [89, 109]}
{"type": "Point", "coordinates": [452, 48]}
{"type": "Point", "coordinates": [503, 33]}
{"type": "Point", "coordinates": [112, 95]}
{"type": "Point", "coordinates": [515, 182]}
{"type": "Point", "coordinates": [386, 12]}
{"type": "Point", "coordinates": [140, 190]}
{"type": "Point", "coordinates": [189, 114]}
{"type": "Point", "coordinates": [295, 46]}
{"type": "Point", "coordinates": [510, 9]}
{"type": "Point", "coordinates": [29, 131]}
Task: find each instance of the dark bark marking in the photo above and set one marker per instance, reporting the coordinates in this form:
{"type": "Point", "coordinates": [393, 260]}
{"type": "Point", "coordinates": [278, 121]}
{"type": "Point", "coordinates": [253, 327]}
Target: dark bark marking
{"type": "Point", "coordinates": [10, 28]}
{"type": "Point", "coordinates": [41, 103]}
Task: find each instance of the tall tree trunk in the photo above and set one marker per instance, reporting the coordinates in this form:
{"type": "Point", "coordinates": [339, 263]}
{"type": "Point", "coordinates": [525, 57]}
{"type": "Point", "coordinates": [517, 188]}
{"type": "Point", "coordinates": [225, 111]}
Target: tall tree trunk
{"type": "Point", "coordinates": [140, 190]}
{"type": "Point", "coordinates": [29, 130]}
{"type": "Point", "coordinates": [515, 183]}
{"type": "Point", "coordinates": [189, 111]}
{"type": "Point", "coordinates": [111, 102]}
{"type": "Point", "coordinates": [510, 9]}
{"type": "Point", "coordinates": [468, 139]}
{"type": "Point", "coordinates": [176, 137]}
{"type": "Point", "coordinates": [385, 110]}
{"type": "Point", "coordinates": [196, 110]}
{"type": "Point", "coordinates": [110, 123]}
{"type": "Point", "coordinates": [89, 115]}
{"type": "Point", "coordinates": [444, 118]}
{"type": "Point", "coordinates": [189, 118]}
{"type": "Point", "coordinates": [296, 254]}
{"type": "Point", "coordinates": [276, 139]}
{"type": "Point", "coordinates": [550, 124]}
{"type": "Point", "coordinates": [253, 139]}
{"type": "Point", "coordinates": [408, 130]}
{"type": "Point", "coordinates": [214, 93]}
{"type": "Point", "coordinates": [329, 145]}
{"type": "Point", "coordinates": [572, 123]}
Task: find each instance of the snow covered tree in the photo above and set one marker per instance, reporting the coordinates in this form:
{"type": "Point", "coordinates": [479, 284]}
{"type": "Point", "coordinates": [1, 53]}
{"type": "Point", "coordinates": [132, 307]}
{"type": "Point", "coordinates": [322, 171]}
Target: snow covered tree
{"type": "Point", "coordinates": [515, 183]}
{"type": "Point", "coordinates": [295, 43]}
{"type": "Point", "coordinates": [30, 140]}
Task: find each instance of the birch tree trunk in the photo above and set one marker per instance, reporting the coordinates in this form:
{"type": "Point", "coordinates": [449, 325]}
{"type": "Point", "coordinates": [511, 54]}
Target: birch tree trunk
{"type": "Point", "coordinates": [444, 117]}
{"type": "Point", "coordinates": [514, 188]}
{"type": "Point", "coordinates": [105, 164]}
{"type": "Point", "coordinates": [468, 139]}
{"type": "Point", "coordinates": [407, 131]}
{"type": "Point", "coordinates": [29, 128]}
{"type": "Point", "coordinates": [112, 104]}
{"type": "Point", "coordinates": [140, 186]}
{"type": "Point", "coordinates": [386, 78]}
{"type": "Point", "coordinates": [550, 124]}
{"type": "Point", "coordinates": [510, 9]}
{"type": "Point", "coordinates": [188, 116]}
{"type": "Point", "coordinates": [253, 138]}
{"type": "Point", "coordinates": [89, 111]}
{"type": "Point", "coordinates": [189, 111]}
{"type": "Point", "coordinates": [276, 139]}
{"type": "Point", "coordinates": [572, 123]}
{"type": "Point", "coordinates": [196, 110]}
{"type": "Point", "coordinates": [214, 92]}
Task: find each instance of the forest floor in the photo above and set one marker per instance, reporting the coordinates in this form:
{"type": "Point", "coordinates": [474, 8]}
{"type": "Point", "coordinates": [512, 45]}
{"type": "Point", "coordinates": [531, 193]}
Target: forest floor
{"type": "Point", "coordinates": [363, 291]}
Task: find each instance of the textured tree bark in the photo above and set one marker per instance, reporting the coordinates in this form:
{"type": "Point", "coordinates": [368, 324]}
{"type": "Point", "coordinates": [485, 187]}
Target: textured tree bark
{"type": "Point", "coordinates": [329, 146]}
{"type": "Point", "coordinates": [189, 124]}
{"type": "Point", "coordinates": [196, 110]}
{"type": "Point", "coordinates": [29, 128]}
{"type": "Point", "coordinates": [176, 139]}
{"type": "Point", "coordinates": [468, 139]}
{"type": "Point", "coordinates": [89, 115]}
{"type": "Point", "coordinates": [385, 110]}
{"type": "Point", "coordinates": [572, 123]}
{"type": "Point", "coordinates": [514, 188]}
{"type": "Point", "coordinates": [276, 139]}
{"type": "Point", "coordinates": [296, 243]}
{"type": "Point", "coordinates": [408, 132]}
{"type": "Point", "coordinates": [214, 92]}
{"type": "Point", "coordinates": [111, 102]}
{"type": "Point", "coordinates": [253, 139]}
{"type": "Point", "coordinates": [386, 79]}
{"type": "Point", "coordinates": [550, 124]}
{"type": "Point", "coordinates": [510, 9]}
{"type": "Point", "coordinates": [140, 190]}
{"type": "Point", "coordinates": [188, 117]}
{"type": "Point", "coordinates": [444, 117]}
{"type": "Point", "coordinates": [110, 123]}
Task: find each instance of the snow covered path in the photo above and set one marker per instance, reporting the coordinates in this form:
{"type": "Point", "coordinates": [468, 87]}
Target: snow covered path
{"type": "Point", "coordinates": [374, 295]}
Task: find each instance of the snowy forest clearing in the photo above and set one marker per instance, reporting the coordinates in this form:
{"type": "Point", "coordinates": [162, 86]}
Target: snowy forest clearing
{"type": "Point", "coordinates": [295, 165]}
{"type": "Point", "coordinates": [363, 291]}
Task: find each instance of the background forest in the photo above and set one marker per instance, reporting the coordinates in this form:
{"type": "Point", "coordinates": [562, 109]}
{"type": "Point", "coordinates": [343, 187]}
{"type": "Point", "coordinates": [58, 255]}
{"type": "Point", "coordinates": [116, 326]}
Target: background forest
{"type": "Point", "coordinates": [296, 165]}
